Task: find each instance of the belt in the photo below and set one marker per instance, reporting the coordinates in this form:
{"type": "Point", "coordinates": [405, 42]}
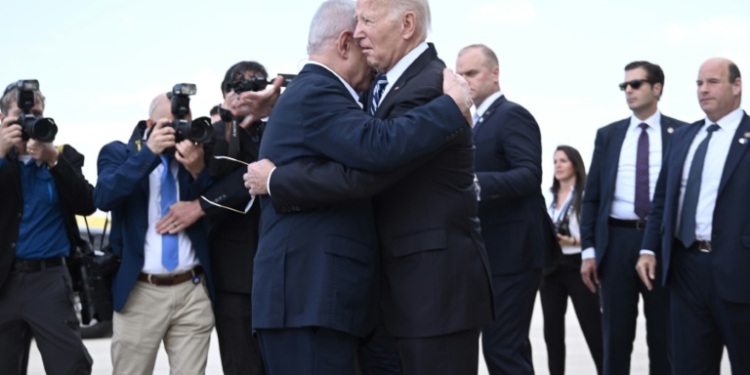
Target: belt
{"type": "Point", "coordinates": [633, 224]}
{"type": "Point", "coordinates": [169, 280]}
{"type": "Point", "coordinates": [36, 265]}
{"type": "Point", "coordinates": [702, 246]}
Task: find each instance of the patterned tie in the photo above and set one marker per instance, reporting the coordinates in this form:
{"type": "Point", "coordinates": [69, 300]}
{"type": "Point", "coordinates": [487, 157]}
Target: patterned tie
{"type": "Point", "coordinates": [377, 92]}
{"type": "Point", "coordinates": [169, 245]}
{"type": "Point", "coordinates": [693, 189]}
{"type": "Point", "coordinates": [642, 175]}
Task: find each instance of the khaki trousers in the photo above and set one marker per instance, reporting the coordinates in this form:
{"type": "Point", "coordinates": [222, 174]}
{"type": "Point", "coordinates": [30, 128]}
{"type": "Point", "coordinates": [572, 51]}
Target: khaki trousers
{"type": "Point", "coordinates": [180, 315]}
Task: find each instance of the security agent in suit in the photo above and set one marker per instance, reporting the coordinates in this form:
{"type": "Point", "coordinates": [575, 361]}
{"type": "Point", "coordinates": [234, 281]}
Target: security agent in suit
{"type": "Point", "coordinates": [624, 168]}
{"type": "Point", "coordinates": [161, 289]}
{"type": "Point", "coordinates": [43, 189]}
{"type": "Point", "coordinates": [699, 228]}
{"type": "Point", "coordinates": [314, 288]}
{"type": "Point", "coordinates": [516, 228]}
{"type": "Point", "coordinates": [233, 236]}
{"type": "Point", "coordinates": [426, 222]}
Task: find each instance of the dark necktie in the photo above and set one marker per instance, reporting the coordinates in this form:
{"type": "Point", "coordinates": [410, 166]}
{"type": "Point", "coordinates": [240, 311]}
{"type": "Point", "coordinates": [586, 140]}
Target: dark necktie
{"type": "Point", "coordinates": [377, 93]}
{"type": "Point", "coordinates": [693, 189]}
{"type": "Point", "coordinates": [642, 175]}
{"type": "Point", "coordinates": [169, 242]}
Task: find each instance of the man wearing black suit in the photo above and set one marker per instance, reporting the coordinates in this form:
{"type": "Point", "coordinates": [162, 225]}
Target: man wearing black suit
{"type": "Point", "coordinates": [233, 237]}
{"type": "Point", "coordinates": [621, 181]}
{"type": "Point", "coordinates": [698, 228]}
{"type": "Point", "coordinates": [316, 272]}
{"type": "Point", "coordinates": [517, 231]}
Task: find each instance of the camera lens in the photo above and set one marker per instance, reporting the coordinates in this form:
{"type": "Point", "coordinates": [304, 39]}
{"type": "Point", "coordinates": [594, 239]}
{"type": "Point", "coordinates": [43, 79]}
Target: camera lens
{"type": "Point", "coordinates": [41, 129]}
{"type": "Point", "coordinates": [201, 130]}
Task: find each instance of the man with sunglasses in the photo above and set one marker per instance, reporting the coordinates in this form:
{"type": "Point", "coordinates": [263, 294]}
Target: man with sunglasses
{"type": "Point", "coordinates": [621, 182]}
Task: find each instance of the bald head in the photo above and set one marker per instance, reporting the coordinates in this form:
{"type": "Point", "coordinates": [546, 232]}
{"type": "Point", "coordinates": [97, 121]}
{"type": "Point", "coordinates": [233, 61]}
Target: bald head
{"type": "Point", "coordinates": [161, 107]}
{"type": "Point", "coordinates": [719, 88]}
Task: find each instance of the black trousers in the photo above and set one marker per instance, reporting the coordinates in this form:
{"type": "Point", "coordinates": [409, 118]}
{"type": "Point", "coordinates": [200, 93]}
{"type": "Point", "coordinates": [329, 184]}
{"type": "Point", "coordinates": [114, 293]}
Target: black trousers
{"type": "Point", "coordinates": [505, 342]}
{"type": "Point", "coordinates": [702, 322]}
{"type": "Point", "coordinates": [556, 287]}
{"type": "Point", "coordinates": [307, 351]}
{"type": "Point", "coordinates": [452, 354]}
{"type": "Point", "coordinates": [239, 349]}
{"type": "Point", "coordinates": [42, 302]}
{"type": "Point", "coordinates": [620, 287]}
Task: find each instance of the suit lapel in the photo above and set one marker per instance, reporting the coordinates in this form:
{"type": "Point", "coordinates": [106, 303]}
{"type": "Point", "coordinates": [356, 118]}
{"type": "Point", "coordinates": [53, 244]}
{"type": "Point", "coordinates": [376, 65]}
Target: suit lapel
{"type": "Point", "coordinates": [613, 152]}
{"type": "Point", "coordinates": [386, 105]}
{"type": "Point", "coordinates": [736, 150]}
{"type": "Point", "coordinates": [680, 153]}
{"type": "Point", "coordinates": [667, 129]}
{"type": "Point", "coordinates": [492, 108]}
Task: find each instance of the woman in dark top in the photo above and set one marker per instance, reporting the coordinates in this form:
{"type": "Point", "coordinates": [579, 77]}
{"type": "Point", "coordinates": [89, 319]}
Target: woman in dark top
{"type": "Point", "coordinates": [565, 280]}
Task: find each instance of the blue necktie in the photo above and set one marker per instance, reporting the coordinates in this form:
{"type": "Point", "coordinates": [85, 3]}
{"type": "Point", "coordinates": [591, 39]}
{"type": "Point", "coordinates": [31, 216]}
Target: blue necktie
{"type": "Point", "coordinates": [693, 189]}
{"type": "Point", "coordinates": [381, 83]}
{"type": "Point", "coordinates": [169, 242]}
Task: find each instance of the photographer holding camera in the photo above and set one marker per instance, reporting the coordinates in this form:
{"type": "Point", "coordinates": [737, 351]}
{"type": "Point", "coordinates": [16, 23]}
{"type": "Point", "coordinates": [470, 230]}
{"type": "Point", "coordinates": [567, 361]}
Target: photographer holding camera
{"type": "Point", "coordinates": [161, 289]}
{"type": "Point", "coordinates": [43, 189]}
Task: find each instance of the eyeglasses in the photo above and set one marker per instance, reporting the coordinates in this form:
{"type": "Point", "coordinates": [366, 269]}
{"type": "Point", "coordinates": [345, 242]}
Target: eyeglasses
{"type": "Point", "coordinates": [635, 84]}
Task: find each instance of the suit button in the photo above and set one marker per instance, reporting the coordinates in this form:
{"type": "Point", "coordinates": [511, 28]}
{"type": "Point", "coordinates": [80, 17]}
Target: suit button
{"type": "Point", "coordinates": [13, 245]}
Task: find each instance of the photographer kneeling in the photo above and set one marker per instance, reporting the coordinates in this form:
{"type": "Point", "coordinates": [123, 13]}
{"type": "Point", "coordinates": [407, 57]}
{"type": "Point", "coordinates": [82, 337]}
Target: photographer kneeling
{"type": "Point", "coordinates": [43, 189]}
{"type": "Point", "coordinates": [161, 290]}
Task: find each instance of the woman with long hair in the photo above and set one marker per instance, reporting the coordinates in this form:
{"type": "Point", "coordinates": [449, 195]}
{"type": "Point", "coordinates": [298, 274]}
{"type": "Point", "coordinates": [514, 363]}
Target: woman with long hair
{"type": "Point", "coordinates": [565, 280]}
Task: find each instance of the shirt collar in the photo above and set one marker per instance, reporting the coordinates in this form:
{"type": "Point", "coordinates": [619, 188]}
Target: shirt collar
{"type": "Point", "coordinates": [653, 122]}
{"type": "Point", "coordinates": [398, 70]}
{"type": "Point", "coordinates": [730, 122]}
{"type": "Point", "coordinates": [487, 103]}
{"type": "Point", "coordinates": [346, 84]}
{"type": "Point", "coordinates": [26, 160]}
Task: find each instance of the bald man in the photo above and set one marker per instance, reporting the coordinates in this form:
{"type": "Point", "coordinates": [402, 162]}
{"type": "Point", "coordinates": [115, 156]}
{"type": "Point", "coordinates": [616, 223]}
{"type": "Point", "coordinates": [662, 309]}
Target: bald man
{"type": "Point", "coordinates": [161, 290]}
{"type": "Point", "coordinates": [698, 228]}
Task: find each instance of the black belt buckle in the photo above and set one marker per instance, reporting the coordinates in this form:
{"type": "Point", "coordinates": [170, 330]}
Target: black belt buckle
{"type": "Point", "coordinates": [640, 224]}
{"type": "Point", "coordinates": [703, 246]}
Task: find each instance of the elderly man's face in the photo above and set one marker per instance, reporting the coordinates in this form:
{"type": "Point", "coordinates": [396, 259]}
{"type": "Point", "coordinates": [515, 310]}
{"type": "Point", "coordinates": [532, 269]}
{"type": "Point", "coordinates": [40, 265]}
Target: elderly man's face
{"type": "Point", "coordinates": [378, 33]}
{"type": "Point", "coordinates": [717, 96]}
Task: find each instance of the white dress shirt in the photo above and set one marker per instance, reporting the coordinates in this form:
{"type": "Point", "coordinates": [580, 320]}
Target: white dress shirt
{"type": "Point", "coordinates": [482, 108]}
{"type": "Point", "coordinates": [152, 247]}
{"type": "Point", "coordinates": [398, 70]}
{"type": "Point", "coordinates": [623, 201]}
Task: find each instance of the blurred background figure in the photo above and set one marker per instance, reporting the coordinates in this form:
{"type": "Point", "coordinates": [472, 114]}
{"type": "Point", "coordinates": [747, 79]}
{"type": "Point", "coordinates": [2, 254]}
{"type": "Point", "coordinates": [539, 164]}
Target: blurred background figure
{"type": "Point", "coordinates": [564, 281]}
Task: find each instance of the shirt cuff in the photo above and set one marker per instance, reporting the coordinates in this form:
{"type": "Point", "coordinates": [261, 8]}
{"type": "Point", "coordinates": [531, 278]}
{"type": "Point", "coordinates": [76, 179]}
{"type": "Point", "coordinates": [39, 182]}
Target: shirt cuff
{"type": "Point", "coordinates": [589, 253]}
{"type": "Point", "coordinates": [268, 182]}
{"type": "Point", "coordinates": [649, 252]}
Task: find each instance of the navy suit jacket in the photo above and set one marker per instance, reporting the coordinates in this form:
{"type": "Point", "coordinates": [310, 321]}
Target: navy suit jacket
{"type": "Point", "coordinates": [730, 238]}
{"type": "Point", "coordinates": [436, 277]}
{"type": "Point", "coordinates": [517, 230]}
{"type": "Point", "coordinates": [320, 267]}
{"type": "Point", "coordinates": [602, 178]}
{"type": "Point", "coordinates": [123, 188]}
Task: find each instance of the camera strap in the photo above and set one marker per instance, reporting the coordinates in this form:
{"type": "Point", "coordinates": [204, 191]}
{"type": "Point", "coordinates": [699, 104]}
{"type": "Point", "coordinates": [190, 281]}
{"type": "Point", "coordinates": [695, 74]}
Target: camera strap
{"type": "Point", "coordinates": [234, 140]}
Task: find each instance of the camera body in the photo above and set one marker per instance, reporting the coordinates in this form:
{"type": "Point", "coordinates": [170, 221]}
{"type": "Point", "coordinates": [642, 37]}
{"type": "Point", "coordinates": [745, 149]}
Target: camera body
{"type": "Point", "coordinates": [40, 128]}
{"type": "Point", "coordinates": [198, 130]}
{"type": "Point", "coordinates": [258, 83]}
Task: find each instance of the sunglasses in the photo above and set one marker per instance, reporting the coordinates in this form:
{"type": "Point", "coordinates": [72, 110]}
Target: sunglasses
{"type": "Point", "coordinates": [635, 84]}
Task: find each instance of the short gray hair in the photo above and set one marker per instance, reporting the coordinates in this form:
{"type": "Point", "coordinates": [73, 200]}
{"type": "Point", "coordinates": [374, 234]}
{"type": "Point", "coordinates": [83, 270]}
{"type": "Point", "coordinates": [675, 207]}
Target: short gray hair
{"type": "Point", "coordinates": [421, 9]}
{"type": "Point", "coordinates": [332, 18]}
{"type": "Point", "coordinates": [489, 55]}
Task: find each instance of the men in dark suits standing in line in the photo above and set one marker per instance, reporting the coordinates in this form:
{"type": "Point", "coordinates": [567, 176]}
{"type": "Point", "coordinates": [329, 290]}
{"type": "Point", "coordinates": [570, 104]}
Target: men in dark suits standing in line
{"type": "Point", "coordinates": [516, 228]}
{"type": "Point", "coordinates": [624, 169]}
{"type": "Point", "coordinates": [316, 272]}
{"type": "Point", "coordinates": [699, 228]}
{"type": "Point", "coordinates": [160, 290]}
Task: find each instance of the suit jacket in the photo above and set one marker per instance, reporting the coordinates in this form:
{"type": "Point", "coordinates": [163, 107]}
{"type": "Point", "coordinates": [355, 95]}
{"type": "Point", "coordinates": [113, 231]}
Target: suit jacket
{"type": "Point", "coordinates": [730, 238]}
{"type": "Point", "coordinates": [435, 269]}
{"type": "Point", "coordinates": [320, 267]}
{"type": "Point", "coordinates": [602, 178]}
{"type": "Point", "coordinates": [233, 237]}
{"type": "Point", "coordinates": [518, 233]}
{"type": "Point", "coordinates": [76, 198]}
{"type": "Point", "coordinates": [123, 188]}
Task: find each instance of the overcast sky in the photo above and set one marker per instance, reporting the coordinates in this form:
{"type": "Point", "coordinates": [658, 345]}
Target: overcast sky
{"type": "Point", "coordinates": [100, 63]}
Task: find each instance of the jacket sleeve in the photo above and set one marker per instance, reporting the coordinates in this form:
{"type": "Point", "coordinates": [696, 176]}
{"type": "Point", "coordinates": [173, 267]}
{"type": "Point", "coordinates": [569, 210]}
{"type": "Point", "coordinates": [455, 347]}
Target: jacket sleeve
{"type": "Point", "coordinates": [71, 184]}
{"type": "Point", "coordinates": [522, 143]}
{"type": "Point", "coordinates": [228, 191]}
{"type": "Point", "coordinates": [592, 195]}
{"type": "Point", "coordinates": [120, 173]}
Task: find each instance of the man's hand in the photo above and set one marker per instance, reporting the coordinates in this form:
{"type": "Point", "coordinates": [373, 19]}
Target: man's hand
{"type": "Point", "coordinates": [456, 87]}
{"type": "Point", "coordinates": [258, 104]}
{"type": "Point", "coordinates": [588, 272]}
{"type": "Point", "coordinates": [646, 268]}
{"type": "Point", "coordinates": [10, 135]}
{"type": "Point", "coordinates": [161, 137]}
{"type": "Point", "coordinates": [43, 151]}
{"type": "Point", "coordinates": [181, 216]}
{"type": "Point", "coordinates": [256, 178]}
{"type": "Point", "coordinates": [190, 155]}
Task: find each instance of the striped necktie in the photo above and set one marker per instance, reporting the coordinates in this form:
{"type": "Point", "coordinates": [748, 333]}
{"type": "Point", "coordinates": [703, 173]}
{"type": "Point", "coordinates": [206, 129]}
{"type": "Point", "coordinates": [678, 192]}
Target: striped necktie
{"type": "Point", "coordinates": [377, 93]}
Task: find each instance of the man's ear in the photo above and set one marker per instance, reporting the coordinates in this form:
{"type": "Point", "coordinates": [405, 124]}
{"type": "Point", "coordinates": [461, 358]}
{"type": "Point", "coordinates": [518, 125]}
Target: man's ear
{"type": "Point", "coordinates": [408, 25]}
{"type": "Point", "coordinates": [150, 123]}
{"type": "Point", "coordinates": [344, 44]}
